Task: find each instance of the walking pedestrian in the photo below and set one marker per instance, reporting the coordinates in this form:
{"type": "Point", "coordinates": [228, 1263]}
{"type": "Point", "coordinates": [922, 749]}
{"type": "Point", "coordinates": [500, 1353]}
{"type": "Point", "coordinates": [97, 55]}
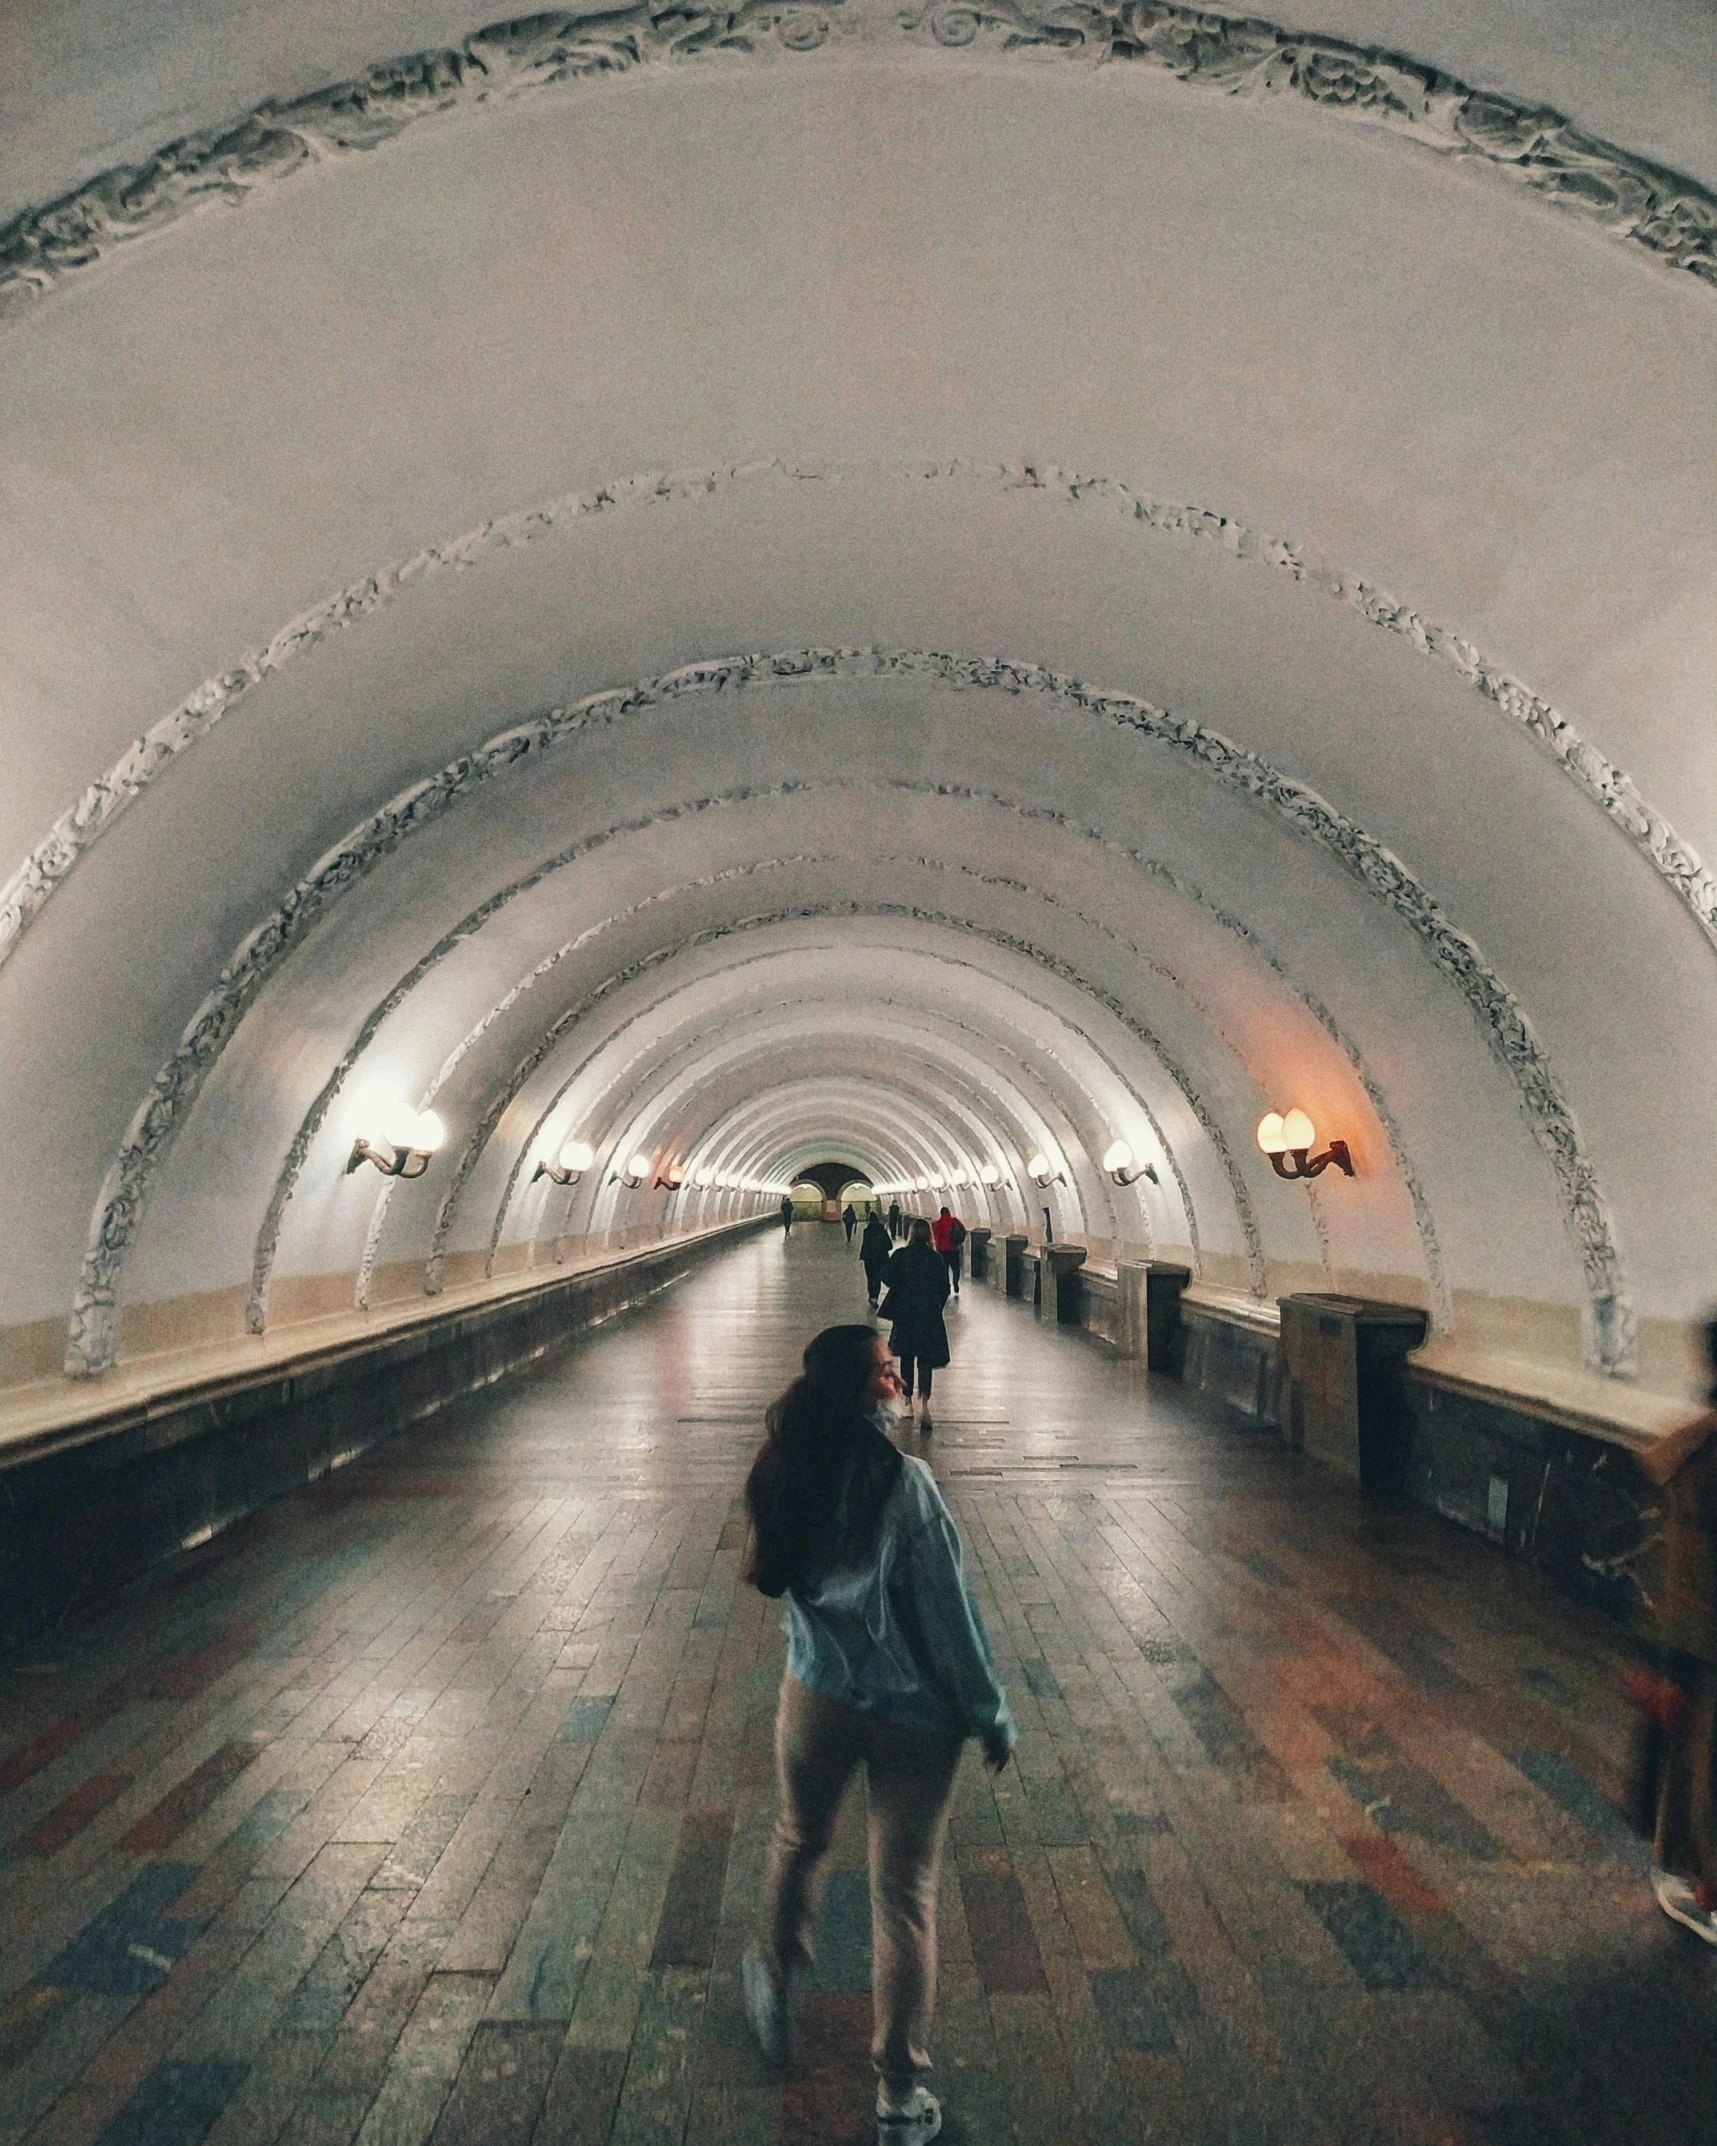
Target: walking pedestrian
{"type": "Point", "coordinates": [1683, 1699]}
{"type": "Point", "coordinates": [948, 1236]}
{"type": "Point", "coordinates": [894, 1218]}
{"type": "Point", "coordinates": [888, 1668]}
{"type": "Point", "coordinates": [786, 1215]}
{"type": "Point", "coordinates": [917, 1290]}
{"type": "Point", "coordinates": [849, 1220]}
{"type": "Point", "coordinates": [875, 1252]}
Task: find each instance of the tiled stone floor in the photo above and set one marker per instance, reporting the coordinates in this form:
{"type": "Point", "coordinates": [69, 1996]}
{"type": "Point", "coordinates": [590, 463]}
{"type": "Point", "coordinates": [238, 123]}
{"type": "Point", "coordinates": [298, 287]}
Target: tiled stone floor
{"type": "Point", "coordinates": [432, 1803]}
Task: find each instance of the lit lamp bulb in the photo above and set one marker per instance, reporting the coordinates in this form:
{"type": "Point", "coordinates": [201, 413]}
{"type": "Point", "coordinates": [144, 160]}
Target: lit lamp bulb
{"type": "Point", "coordinates": [1118, 1161]}
{"type": "Point", "coordinates": [568, 1167]}
{"type": "Point", "coordinates": [989, 1174]}
{"type": "Point", "coordinates": [399, 1124]}
{"type": "Point", "coordinates": [1042, 1171]}
{"type": "Point", "coordinates": [637, 1169]}
{"type": "Point", "coordinates": [392, 1137]}
{"type": "Point", "coordinates": [1289, 1141]}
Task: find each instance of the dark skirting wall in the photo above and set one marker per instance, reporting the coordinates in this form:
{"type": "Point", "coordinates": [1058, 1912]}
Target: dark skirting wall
{"type": "Point", "coordinates": [80, 1519]}
{"type": "Point", "coordinates": [1539, 1487]}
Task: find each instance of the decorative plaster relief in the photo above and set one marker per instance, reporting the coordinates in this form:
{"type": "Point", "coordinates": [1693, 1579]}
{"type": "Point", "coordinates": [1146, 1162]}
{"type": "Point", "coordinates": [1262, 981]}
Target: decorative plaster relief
{"type": "Point", "coordinates": [897, 1161]}
{"type": "Point", "coordinates": [92, 1337]}
{"type": "Point", "coordinates": [1672, 217]}
{"type": "Point", "coordinates": [990, 1043]}
{"type": "Point", "coordinates": [1606, 785]}
{"type": "Point", "coordinates": [549, 962]}
{"type": "Point", "coordinates": [719, 934]}
{"type": "Point", "coordinates": [268, 1237]}
{"type": "Point", "coordinates": [1442, 1305]}
{"type": "Point", "coordinates": [990, 1048]}
{"type": "Point", "coordinates": [263, 1258]}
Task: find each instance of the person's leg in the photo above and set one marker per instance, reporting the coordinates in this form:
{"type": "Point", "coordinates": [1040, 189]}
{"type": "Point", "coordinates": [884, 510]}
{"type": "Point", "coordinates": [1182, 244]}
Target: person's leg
{"type": "Point", "coordinates": [925, 1375]}
{"type": "Point", "coordinates": [911, 1780]}
{"type": "Point", "coordinates": [907, 1361]}
{"type": "Point", "coordinates": [816, 1749]}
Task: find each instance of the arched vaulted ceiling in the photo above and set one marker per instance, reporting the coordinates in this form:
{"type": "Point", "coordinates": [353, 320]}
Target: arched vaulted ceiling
{"type": "Point", "coordinates": [827, 581]}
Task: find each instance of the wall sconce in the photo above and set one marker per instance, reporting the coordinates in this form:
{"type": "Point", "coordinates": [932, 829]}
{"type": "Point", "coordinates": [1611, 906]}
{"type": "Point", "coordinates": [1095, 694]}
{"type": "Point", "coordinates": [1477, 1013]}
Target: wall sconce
{"type": "Point", "coordinates": [394, 1138]}
{"type": "Point", "coordinates": [1042, 1172]}
{"type": "Point", "coordinates": [1295, 1135]}
{"type": "Point", "coordinates": [574, 1159]}
{"type": "Point", "coordinates": [635, 1172]}
{"type": "Point", "coordinates": [989, 1175]}
{"type": "Point", "coordinates": [671, 1179]}
{"type": "Point", "coordinates": [1118, 1161]}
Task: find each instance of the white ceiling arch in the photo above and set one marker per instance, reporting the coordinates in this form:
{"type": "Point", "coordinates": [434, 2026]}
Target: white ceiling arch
{"type": "Point", "coordinates": [1126, 616]}
{"type": "Point", "coordinates": [1240, 771]}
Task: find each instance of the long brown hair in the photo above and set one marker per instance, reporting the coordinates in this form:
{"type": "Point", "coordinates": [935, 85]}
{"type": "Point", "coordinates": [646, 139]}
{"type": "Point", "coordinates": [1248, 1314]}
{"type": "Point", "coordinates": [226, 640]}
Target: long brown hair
{"type": "Point", "coordinates": [824, 1470]}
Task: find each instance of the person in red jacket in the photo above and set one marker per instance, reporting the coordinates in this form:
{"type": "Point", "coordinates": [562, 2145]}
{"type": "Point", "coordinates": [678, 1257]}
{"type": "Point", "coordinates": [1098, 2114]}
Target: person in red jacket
{"type": "Point", "coordinates": [948, 1235]}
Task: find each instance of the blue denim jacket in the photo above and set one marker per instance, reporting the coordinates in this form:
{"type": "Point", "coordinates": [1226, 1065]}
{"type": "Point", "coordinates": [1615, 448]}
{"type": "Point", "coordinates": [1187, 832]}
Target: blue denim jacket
{"type": "Point", "coordinates": [902, 1637]}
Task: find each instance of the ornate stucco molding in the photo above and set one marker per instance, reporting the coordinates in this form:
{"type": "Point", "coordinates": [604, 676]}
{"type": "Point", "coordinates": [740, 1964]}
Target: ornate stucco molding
{"type": "Point", "coordinates": [990, 1048]}
{"type": "Point", "coordinates": [944, 1021]}
{"type": "Point", "coordinates": [721, 934]}
{"type": "Point", "coordinates": [92, 1337]}
{"type": "Point", "coordinates": [1668, 216]}
{"type": "Point", "coordinates": [33, 883]}
{"type": "Point", "coordinates": [468, 927]}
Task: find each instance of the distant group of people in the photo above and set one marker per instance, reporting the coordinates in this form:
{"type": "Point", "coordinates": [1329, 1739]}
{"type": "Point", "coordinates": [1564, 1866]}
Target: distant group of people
{"type": "Point", "coordinates": [908, 1287]}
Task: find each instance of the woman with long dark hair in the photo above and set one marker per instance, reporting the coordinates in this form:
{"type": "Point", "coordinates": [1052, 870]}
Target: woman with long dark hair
{"type": "Point", "coordinates": [888, 1667]}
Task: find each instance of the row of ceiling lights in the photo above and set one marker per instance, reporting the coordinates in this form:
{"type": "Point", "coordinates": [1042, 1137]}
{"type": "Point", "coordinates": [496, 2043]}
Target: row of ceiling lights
{"type": "Point", "coordinates": [1117, 1160]}
{"type": "Point", "coordinates": [576, 1156]}
{"type": "Point", "coordinates": [398, 1141]}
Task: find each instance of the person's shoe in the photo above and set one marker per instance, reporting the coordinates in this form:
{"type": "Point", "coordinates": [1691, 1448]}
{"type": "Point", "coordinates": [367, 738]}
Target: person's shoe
{"type": "Point", "coordinates": [1680, 1903]}
{"type": "Point", "coordinates": [768, 2012]}
{"type": "Point", "coordinates": [912, 2122]}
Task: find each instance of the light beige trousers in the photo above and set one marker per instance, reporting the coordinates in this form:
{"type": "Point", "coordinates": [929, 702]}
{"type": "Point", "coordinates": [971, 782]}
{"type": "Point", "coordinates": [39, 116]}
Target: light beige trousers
{"type": "Point", "coordinates": [819, 1745]}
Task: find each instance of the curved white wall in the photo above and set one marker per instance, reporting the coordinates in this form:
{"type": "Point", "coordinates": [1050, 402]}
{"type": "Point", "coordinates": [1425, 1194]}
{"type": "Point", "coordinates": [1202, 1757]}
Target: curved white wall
{"type": "Point", "coordinates": [898, 602]}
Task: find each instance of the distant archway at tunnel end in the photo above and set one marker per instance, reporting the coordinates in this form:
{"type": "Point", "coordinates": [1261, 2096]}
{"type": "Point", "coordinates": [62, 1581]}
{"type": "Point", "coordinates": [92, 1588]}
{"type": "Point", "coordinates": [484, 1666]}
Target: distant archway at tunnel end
{"type": "Point", "coordinates": [832, 1178]}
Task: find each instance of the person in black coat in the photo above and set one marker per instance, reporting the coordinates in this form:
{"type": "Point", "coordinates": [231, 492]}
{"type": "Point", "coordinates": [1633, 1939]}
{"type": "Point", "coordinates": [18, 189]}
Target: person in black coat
{"type": "Point", "coordinates": [875, 1251]}
{"type": "Point", "coordinates": [894, 1218]}
{"type": "Point", "coordinates": [849, 1220]}
{"type": "Point", "coordinates": [917, 1278]}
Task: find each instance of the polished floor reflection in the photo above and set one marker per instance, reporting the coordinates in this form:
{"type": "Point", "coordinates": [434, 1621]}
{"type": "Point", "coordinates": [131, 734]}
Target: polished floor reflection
{"type": "Point", "coordinates": [432, 1803]}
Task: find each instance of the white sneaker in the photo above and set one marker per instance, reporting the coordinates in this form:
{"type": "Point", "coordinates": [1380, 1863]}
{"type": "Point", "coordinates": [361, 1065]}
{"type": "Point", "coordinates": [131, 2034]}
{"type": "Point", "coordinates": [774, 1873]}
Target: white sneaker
{"type": "Point", "coordinates": [768, 2012]}
{"type": "Point", "coordinates": [1680, 1903]}
{"type": "Point", "coordinates": [912, 2122]}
